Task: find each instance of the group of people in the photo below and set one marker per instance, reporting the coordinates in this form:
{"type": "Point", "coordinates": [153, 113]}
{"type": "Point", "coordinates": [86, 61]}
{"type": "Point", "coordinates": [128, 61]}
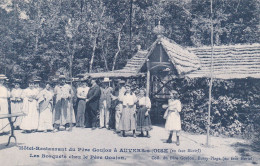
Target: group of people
{"type": "Point", "coordinates": [98, 105]}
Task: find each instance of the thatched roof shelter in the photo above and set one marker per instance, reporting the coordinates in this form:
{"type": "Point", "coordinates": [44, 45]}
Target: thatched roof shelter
{"type": "Point", "coordinates": [229, 62]}
{"type": "Point", "coordinates": [182, 60]}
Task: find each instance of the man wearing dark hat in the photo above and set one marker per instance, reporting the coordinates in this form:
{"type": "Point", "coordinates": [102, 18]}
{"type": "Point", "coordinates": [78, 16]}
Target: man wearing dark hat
{"type": "Point", "coordinates": [17, 102]}
{"type": "Point", "coordinates": [93, 103]}
{"type": "Point", "coordinates": [63, 113]}
{"type": "Point", "coordinates": [4, 95]}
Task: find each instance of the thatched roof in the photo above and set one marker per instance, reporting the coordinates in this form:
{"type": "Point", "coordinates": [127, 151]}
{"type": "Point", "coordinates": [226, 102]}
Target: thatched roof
{"type": "Point", "coordinates": [183, 60]}
{"type": "Point", "coordinates": [131, 68]}
{"type": "Point", "coordinates": [229, 62]}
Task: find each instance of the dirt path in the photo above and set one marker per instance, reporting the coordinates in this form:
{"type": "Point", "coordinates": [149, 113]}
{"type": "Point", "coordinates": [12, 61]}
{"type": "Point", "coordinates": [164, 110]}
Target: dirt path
{"type": "Point", "coordinates": [98, 148]}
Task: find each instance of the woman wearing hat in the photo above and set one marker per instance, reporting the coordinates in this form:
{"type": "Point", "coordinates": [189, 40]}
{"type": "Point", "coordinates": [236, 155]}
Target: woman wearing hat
{"type": "Point", "coordinates": [29, 95]}
{"type": "Point", "coordinates": [63, 114]}
{"type": "Point", "coordinates": [118, 103]}
{"type": "Point", "coordinates": [128, 117]}
{"type": "Point", "coordinates": [45, 101]}
{"type": "Point", "coordinates": [143, 117]}
{"type": "Point", "coordinates": [82, 92]}
{"type": "Point", "coordinates": [172, 116]}
{"type": "Point", "coordinates": [17, 102]}
{"type": "Point", "coordinates": [4, 95]}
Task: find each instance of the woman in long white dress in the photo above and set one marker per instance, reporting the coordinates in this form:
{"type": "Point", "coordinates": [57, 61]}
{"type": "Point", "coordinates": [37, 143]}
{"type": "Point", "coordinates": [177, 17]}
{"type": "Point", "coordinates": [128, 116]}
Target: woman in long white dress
{"type": "Point", "coordinates": [30, 122]}
{"type": "Point", "coordinates": [128, 118]}
{"type": "Point", "coordinates": [4, 95]}
{"type": "Point", "coordinates": [45, 101]}
{"type": "Point", "coordinates": [172, 116]}
{"type": "Point", "coordinates": [16, 102]}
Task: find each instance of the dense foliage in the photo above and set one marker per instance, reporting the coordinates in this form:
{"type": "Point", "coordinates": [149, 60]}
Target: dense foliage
{"type": "Point", "coordinates": [235, 106]}
{"type": "Point", "coordinates": [38, 37]}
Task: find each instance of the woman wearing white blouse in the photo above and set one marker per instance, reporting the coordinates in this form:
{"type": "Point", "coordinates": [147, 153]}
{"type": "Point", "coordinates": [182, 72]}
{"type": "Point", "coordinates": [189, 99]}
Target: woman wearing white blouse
{"type": "Point", "coordinates": [128, 118]}
{"type": "Point", "coordinates": [4, 95]}
{"type": "Point", "coordinates": [30, 121]}
{"type": "Point", "coordinates": [143, 117]}
{"type": "Point", "coordinates": [82, 93]}
{"type": "Point", "coordinates": [16, 102]}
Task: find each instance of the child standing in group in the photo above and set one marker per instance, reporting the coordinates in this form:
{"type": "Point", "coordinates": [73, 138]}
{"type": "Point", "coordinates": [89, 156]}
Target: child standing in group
{"type": "Point", "coordinates": [172, 116]}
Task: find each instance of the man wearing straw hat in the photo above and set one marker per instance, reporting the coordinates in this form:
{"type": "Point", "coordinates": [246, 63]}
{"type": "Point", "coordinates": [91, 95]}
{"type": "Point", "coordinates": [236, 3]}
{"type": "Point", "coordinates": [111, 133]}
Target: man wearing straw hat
{"type": "Point", "coordinates": [4, 95]}
{"type": "Point", "coordinates": [105, 103]}
{"type": "Point", "coordinates": [63, 114]}
{"type": "Point", "coordinates": [17, 102]}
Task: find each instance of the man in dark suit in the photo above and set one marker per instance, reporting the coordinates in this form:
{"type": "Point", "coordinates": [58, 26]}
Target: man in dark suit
{"type": "Point", "coordinates": [93, 103]}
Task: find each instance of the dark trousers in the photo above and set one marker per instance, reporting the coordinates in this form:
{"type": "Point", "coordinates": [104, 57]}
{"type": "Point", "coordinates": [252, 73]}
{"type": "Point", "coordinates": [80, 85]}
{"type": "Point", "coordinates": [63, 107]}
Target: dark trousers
{"type": "Point", "coordinates": [91, 118]}
{"type": "Point", "coordinates": [112, 118]}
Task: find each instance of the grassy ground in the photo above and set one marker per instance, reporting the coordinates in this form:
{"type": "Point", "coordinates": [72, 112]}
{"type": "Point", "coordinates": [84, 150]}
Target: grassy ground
{"type": "Point", "coordinates": [192, 151]}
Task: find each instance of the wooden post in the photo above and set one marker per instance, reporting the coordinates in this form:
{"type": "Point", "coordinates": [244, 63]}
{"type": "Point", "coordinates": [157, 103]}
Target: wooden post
{"type": "Point", "coordinates": [211, 73]}
{"type": "Point", "coordinates": [148, 78]}
{"type": "Point", "coordinates": [71, 85]}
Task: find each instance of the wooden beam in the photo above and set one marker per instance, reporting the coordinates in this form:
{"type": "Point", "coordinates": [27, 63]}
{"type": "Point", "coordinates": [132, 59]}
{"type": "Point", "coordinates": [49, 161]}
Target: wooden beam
{"type": "Point", "coordinates": [148, 78]}
{"type": "Point", "coordinates": [160, 63]}
{"type": "Point", "coordinates": [160, 53]}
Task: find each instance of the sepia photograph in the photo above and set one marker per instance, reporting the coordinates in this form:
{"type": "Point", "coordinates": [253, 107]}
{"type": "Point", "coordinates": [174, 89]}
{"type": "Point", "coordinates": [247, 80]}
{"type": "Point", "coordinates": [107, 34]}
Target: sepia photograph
{"type": "Point", "coordinates": [129, 82]}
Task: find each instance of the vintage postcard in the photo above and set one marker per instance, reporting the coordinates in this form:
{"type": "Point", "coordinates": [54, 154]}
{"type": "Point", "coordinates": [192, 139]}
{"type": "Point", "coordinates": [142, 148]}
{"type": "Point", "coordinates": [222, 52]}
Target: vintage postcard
{"type": "Point", "coordinates": [129, 82]}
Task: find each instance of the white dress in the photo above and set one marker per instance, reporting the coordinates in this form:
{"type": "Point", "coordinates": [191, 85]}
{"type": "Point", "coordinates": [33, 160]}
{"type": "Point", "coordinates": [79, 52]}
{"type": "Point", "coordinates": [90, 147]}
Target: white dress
{"type": "Point", "coordinates": [45, 102]}
{"type": "Point", "coordinates": [16, 104]}
{"type": "Point", "coordinates": [128, 117]}
{"type": "Point", "coordinates": [63, 112]}
{"type": "Point", "coordinates": [4, 94]}
{"type": "Point", "coordinates": [30, 122]}
{"type": "Point", "coordinates": [172, 115]}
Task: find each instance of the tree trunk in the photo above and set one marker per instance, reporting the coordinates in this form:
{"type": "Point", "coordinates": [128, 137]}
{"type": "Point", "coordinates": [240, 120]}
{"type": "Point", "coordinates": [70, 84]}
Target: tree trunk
{"type": "Point", "coordinates": [118, 45]}
{"type": "Point", "coordinates": [93, 55]}
{"type": "Point", "coordinates": [95, 44]}
{"type": "Point", "coordinates": [104, 53]}
{"type": "Point", "coordinates": [118, 51]}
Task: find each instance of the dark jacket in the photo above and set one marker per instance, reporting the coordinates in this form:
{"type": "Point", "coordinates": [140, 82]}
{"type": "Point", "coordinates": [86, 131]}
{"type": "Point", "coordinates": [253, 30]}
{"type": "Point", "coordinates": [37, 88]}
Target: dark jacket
{"type": "Point", "coordinates": [93, 97]}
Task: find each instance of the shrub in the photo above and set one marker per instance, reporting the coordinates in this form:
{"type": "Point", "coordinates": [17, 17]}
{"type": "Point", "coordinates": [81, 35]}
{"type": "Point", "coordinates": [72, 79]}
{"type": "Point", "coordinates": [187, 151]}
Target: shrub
{"type": "Point", "coordinates": [234, 105]}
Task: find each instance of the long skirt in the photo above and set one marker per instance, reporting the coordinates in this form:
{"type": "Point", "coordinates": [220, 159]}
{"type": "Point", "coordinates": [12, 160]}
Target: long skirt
{"type": "Point", "coordinates": [118, 114]}
{"type": "Point", "coordinates": [30, 122]}
{"type": "Point", "coordinates": [16, 107]}
{"type": "Point", "coordinates": [63, 113]}
{"type": "Point", "coordinates": [173, 121]}
{"type": "Point", "coordinates": [128, 119]}
{"type": "Point", "coordinates": [143, 122]}
{"type": "Point", "coordinates": [4, 123]}
{"type": "Point", "coordinates": [80, 120]}
{"type": "Point", "coordinates": [45, 120]}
